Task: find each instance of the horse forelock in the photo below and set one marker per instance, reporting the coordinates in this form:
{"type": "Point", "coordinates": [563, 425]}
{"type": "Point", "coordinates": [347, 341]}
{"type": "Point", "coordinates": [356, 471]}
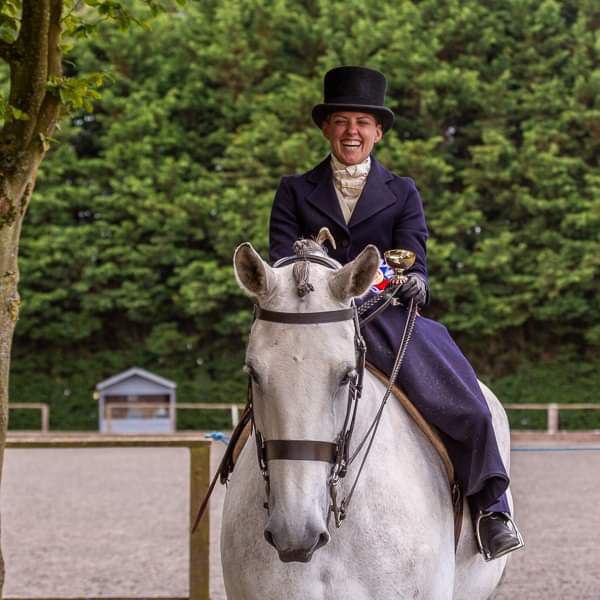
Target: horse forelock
{"type": "Point", "coordinates": [304, 248]}
{"type": "Point", "coordinates": [303, 285]}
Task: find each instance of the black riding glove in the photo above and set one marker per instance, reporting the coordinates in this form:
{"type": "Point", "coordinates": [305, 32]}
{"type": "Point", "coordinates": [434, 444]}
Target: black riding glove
{"type": "Point", "coordinates": [415, 287]}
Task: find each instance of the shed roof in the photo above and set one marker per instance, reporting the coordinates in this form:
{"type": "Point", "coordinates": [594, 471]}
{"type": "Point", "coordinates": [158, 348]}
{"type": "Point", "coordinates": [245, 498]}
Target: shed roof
{"type": "Point", "coordinates": [135, 371]}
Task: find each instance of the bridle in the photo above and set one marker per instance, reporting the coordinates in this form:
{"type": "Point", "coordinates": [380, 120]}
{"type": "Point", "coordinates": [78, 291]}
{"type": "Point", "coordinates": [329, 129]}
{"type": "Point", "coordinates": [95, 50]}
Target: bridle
{"type": "Point", "coordinates": [337, 452]}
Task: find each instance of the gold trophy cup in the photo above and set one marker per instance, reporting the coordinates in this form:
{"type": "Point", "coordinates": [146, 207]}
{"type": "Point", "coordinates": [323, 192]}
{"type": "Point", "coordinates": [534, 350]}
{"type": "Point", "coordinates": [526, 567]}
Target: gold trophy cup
{"type": "Point", "coordinates": [400, 261]}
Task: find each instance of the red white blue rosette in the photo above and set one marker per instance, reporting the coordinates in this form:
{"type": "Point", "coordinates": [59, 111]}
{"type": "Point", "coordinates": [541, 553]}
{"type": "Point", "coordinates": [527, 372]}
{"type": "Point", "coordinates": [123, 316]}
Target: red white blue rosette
{"type": "Point", "coordinates": [383, 277]}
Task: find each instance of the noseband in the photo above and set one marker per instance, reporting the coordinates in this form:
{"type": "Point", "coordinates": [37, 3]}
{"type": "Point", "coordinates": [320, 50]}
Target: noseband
{"type": "Point", "coordinates": [337, 452]}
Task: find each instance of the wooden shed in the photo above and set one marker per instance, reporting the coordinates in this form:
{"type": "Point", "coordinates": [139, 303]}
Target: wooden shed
{"type": "Point", "coordinates": [136, 401]}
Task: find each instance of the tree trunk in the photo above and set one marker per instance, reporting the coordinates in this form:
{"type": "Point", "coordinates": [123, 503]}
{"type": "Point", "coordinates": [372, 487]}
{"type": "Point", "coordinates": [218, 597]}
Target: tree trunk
{"type": "Point", "coordinates": [33, 58]}
{"type": "Point", "coordinates": [15, 199]}
{"type": "Point", "coordinates": [9, 310]}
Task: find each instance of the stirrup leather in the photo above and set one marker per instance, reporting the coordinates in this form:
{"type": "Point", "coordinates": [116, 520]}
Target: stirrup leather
{"type": "Point", "coordinates": [485, 552]}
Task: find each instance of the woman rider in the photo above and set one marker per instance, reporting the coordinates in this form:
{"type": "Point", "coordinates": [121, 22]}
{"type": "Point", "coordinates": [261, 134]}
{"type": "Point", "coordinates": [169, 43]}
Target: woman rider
{"type": "Point", "coordinates": [361, 203]}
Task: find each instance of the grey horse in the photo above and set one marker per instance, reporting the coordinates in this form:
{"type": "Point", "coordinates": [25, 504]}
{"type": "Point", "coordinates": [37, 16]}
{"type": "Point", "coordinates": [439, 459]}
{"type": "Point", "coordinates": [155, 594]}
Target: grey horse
{"type": "Point", "coordinates": [397, 541]}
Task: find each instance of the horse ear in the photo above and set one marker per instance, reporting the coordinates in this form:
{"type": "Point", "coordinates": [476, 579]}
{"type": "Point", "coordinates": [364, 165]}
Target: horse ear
{"type": "Point", "coordinates": [251, 271]}
{"type": "Point", "coordinates": [355, 278]}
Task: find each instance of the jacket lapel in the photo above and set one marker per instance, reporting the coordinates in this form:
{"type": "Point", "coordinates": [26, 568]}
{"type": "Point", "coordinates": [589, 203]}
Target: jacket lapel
{"type": "Point", "coordinates": [376, 195]}
{"type": "Point", "coordinates": [323, 196]}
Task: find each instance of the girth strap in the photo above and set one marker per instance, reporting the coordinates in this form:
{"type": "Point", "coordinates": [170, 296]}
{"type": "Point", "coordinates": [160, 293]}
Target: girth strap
{"type": "Point", "coordinates": [328, 316]}
{"type": "Point", "coordinates": [300, 450]}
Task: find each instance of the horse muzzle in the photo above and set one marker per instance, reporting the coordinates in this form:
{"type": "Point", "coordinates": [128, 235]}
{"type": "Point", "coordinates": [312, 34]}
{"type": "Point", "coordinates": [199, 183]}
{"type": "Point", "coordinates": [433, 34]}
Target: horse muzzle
{"type": "Point", "coordinates": [296, 550]}
{"type": "Point", "coordinates": [298, 509]}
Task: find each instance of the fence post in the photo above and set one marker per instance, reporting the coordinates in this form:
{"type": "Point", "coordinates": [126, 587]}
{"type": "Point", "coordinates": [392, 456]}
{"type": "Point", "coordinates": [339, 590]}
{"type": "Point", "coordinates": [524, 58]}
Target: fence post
{"type": "Point", "coordinates": [108, 418]}
{"type": "Point", "coordinates": [172, 416]}
{"type": "Point", "coordinates": [553, 417]}
{"type": "Point", "coordinates": [45, 418]}
{"type": "Point", "coordinates": [199, 541]}
{"type": "Point", "coordinates": [235, 417]}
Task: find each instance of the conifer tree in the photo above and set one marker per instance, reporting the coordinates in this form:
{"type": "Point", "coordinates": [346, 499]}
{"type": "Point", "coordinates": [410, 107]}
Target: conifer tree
{"type": "Point", "coordinates": [34, 36]}
{"type": "Point", "coordinates": [497, 116]}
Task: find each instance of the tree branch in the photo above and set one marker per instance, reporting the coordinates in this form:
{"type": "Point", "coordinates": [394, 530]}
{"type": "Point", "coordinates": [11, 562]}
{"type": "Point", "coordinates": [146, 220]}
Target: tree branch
{"type": "Point", "coordinates": [30, 74]}
{"type": "Point", "coordinates": [50, 108]}
{"type": "Point", "coordinates": [54, 34]}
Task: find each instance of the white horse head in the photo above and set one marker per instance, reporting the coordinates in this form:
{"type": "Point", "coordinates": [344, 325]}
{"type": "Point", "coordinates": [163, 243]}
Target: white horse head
{"type": "Point", "coordinates": [300, 380]}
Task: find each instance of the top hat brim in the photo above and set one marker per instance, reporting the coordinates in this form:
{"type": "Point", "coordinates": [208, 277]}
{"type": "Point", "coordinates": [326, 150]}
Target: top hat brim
{"type": "Point", "coordinates": [383, 114]}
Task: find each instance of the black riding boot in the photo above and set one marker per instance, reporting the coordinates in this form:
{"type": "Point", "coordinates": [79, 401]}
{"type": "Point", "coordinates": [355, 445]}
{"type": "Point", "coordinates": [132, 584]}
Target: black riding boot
{"type": "Point", "coordinates": [497, 534]}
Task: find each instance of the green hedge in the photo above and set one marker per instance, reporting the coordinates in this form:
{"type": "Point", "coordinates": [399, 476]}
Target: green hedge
{"type": "Point", "coordinates": [561, 381]}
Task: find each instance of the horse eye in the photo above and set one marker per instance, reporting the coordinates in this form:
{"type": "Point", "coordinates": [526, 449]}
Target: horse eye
{"type": "Point", "coordinates": [349, 375]}
{"type": "Point", "coordinates": [250, 372]}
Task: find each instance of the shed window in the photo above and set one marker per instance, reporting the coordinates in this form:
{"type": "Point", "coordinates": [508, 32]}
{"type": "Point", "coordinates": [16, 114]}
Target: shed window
{"type": "Point", "coordinates": [142, 411]}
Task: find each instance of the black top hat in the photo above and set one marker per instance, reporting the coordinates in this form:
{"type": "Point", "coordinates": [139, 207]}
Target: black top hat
{"type": "Point", "coordinates": [354, 88]}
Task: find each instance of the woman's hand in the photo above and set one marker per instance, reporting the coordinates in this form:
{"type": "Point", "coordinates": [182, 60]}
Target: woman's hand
{"type": "Point", "coordinates": [415, 288]}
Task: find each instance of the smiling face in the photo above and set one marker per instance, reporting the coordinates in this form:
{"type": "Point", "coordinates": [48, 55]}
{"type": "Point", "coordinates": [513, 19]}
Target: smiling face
{"type": "Point", "coordinates": [352, 135]}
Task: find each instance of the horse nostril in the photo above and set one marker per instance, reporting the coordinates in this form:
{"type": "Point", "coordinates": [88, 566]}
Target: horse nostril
{"type": "Point", "coordinates": [269, 538]}
{"type": "Point", "coordinates": [323, 539]}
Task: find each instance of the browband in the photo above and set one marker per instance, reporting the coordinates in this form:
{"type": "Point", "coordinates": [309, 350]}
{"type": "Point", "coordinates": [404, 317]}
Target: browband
{"type": "Point", "coordinates": [309, 318]}
{"type": "Point", "coordinates": [314, 258]}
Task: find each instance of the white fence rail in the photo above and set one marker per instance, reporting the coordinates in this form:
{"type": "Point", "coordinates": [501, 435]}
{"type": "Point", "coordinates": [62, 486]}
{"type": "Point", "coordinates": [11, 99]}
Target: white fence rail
{"type": "Point", "coordinates": [552, 410]}
{"type": "Point", "coordinates": [171, 410]}
{"type": "Point", "coordinates": [41, 406]}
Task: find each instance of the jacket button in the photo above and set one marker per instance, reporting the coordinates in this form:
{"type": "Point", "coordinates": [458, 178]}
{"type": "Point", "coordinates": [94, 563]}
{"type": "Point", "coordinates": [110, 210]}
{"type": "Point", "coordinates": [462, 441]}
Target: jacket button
{"type": "Point", "coordinates": [345, 243]}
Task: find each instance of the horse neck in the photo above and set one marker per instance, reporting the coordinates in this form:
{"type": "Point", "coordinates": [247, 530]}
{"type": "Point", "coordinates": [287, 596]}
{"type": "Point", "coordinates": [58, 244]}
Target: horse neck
{"type": "Point", "coordinates": [395, 431]}
{"type": "Point", "coordinates": [403, 477]}
{"type": "Point", "coordinates": [370, 403]}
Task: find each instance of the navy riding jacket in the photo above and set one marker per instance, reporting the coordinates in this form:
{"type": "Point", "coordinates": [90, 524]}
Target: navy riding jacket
{"type": "Point", "coordinates": [389, 214]}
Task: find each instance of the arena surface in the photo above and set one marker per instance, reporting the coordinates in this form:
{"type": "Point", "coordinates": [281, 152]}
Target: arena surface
{"type": "Point", "coordinates": [113, 522]}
